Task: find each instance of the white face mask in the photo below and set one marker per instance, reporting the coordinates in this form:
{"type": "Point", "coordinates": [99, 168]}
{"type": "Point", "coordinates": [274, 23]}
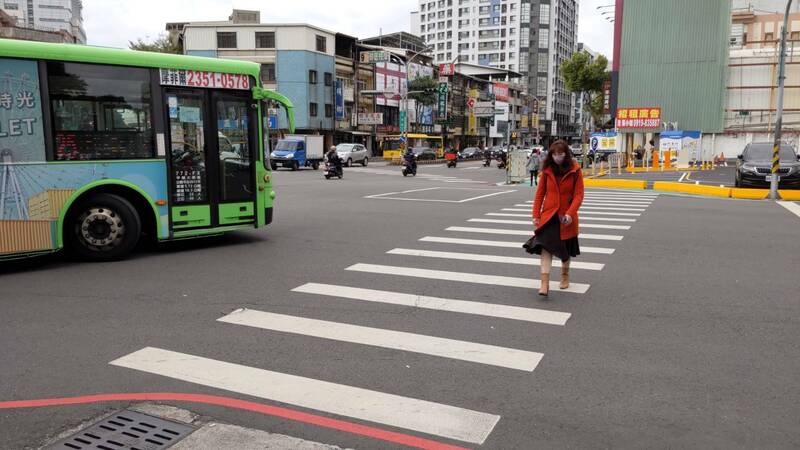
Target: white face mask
{"type": "Point", "coordinates": [559, 159]}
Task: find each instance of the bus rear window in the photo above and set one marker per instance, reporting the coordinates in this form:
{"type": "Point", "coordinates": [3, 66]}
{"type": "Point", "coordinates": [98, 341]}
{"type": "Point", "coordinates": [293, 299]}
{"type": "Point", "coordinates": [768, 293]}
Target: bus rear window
{"type": "Point", "coordinates": [100, 112]}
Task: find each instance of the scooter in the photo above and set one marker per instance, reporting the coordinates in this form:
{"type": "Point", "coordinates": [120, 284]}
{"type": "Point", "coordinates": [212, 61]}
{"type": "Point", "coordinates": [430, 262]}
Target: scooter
{"type": "Point", "coordinates": [487, 162]}
{"type": "Point", "coordinates": [409, 169]}
{"type": "Point", "coordinates": [501, 163]}
{"type": "Point", "coordinates": [331, 170]}
{"type": "Point", "coordinates": [451, 163]}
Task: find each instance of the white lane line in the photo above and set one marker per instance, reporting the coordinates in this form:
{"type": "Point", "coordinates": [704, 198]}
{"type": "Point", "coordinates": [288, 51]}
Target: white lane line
{"type": "Point", "coordinates": [624, 193]}
{"type": "Point", "coordinates": [388, 409]}
{"type": "Point", "coordinates": [615, 200]}
{"type": "Point", "coordinates": [529, 222]}
{"type": "Point", "coordinates": [794, 208]}
{"type": "Point", "coordinates": [606, 208]}
{"type": "Point", "coordinates": [476, 278]}
{"type": "Point", "coordinates": [529, 261]}
{"type": "Point", "coordinates": [505, 244]}
{"type": "Point", "coordinates": [583, 217]}
{"type": "Point", "coordinates": [440, 304]}
{"type": "Point", "coordinates": [509, 358]}
{"type": "Point", "coordinates": [601, 237]}
{"type": "Point", "coordinates": [685, 174]}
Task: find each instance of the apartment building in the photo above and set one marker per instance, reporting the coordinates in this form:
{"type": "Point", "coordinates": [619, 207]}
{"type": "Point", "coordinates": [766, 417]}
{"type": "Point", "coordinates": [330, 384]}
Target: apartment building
{"type": "Point", "coordinates": [48, 15]}
{"type": "Point", "coordinates": [529, 37]}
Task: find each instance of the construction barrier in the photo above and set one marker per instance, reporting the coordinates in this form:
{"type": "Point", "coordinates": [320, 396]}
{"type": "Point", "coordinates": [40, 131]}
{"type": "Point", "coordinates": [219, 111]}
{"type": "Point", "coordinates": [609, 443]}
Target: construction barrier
{"type": "Point", "coordinates": [620, 184]}
{"type": "Point", "coordinates": [750, 194]}
{"type": "Point", "coordinates": [698, 189]}
{"type": "Point", "coordinates": [792, 196]}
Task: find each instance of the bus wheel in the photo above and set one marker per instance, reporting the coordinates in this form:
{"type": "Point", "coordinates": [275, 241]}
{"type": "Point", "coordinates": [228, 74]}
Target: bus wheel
{"type": "Point", "coordinates": [106, 227]}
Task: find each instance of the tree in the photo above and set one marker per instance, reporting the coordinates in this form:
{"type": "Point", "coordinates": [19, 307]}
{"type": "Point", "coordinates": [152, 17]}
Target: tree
{"type": "Point", "coordinates": [424, 94]}
{"type": "Point", "coordinates": [583, 76]}
{"type": "Point", "coordinates": [161, 44]}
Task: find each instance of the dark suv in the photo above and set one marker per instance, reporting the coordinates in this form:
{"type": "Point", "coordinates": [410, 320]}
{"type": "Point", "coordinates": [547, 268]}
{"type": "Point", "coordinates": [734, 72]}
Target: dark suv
{"type": "Point", "coordinates": [755, 164]}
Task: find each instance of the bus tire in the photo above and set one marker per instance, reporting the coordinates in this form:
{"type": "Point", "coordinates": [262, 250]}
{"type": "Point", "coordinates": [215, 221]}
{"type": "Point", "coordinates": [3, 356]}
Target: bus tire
{"type": "Point", "coordinates": [104, 227]}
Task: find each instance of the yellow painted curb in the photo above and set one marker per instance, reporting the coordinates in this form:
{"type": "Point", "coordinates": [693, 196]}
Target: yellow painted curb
{"type": "Point", "coordinates": [622, 184]}
{"type": "Point", "coordinates": [792, 196]}
{"type": "Point", "coordinates": [752, 194]}
{"type": "Point", "coordinates": [697, 189]}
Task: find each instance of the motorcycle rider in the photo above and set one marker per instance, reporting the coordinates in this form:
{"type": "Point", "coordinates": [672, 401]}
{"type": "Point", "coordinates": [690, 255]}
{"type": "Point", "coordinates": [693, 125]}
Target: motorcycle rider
{"type": "Point", "coordinates": [333, 158]}
{"type": "Point", "coordinates": [410, 159]}
{"type": "Point", "coordinates": [487, 156]}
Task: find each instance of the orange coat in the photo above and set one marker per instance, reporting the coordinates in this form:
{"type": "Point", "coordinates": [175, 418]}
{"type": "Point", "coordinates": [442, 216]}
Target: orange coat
{"type": "Point", "coordinates": [560, 199]}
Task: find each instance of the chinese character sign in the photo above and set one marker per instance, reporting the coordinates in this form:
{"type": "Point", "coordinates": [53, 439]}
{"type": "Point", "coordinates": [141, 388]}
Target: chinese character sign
{"type": "Point", "coordinates": [21, 133]}
{"type": "Point", "coordinates": [638, 118]}
{"type": "Point", "coordinates": [340, 115]}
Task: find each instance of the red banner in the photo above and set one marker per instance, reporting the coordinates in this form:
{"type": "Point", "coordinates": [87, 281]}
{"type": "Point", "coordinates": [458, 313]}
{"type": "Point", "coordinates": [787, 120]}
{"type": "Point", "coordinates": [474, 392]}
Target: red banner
{"type": "Point", "coordinates": [638, 118]}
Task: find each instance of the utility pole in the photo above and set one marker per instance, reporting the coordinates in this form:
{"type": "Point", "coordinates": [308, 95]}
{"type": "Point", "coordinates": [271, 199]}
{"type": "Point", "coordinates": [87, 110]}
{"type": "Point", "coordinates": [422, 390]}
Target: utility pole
{"type": "Point", "coordinates": [405, 92]}
{"type": "Point", "coordinates": [776, 158]}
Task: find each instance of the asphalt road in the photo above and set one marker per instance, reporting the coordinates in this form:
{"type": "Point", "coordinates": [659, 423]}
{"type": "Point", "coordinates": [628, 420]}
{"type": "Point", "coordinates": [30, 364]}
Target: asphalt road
{"type": "Point", "coordinates": [721, 176]}
{"type": "Point", "coordinates": [687, 337]}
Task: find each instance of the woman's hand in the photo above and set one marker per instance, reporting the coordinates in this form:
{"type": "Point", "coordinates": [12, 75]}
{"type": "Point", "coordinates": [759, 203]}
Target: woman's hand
{"type": "Point", "coordinates": [536, 222]}
{"type": "Point", "coordinates": [567, 219]}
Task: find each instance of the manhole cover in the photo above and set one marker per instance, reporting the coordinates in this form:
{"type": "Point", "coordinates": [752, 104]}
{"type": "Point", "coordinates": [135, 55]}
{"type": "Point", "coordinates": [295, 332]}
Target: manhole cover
{"type": "Point", "coordinates": [127, 430]}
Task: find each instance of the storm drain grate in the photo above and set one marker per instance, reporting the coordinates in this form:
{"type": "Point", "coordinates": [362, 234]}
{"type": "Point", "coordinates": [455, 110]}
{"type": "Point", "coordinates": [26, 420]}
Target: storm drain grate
{"type": "Point", "coordinates": [127, 430]}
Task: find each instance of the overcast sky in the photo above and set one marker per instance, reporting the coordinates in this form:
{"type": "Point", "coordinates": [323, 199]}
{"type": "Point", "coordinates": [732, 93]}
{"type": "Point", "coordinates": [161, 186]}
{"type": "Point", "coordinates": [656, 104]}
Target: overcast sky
{"type": "Point", "coordinates": [115, 22]}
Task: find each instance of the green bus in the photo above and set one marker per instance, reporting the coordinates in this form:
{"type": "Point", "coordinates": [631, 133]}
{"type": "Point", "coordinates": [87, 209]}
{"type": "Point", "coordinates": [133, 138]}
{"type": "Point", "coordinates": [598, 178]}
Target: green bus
{"type": "Point", "coordinates": [101, 146]}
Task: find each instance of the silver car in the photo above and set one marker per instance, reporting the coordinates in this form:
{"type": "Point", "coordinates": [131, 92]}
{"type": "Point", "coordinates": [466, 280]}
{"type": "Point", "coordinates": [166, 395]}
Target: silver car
{"type": "Point", "coordinates": [352, 153]}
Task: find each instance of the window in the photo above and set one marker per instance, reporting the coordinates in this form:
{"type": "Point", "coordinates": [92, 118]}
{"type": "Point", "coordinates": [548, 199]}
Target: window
{"type": "Point", "coordinates": [11, 6]}
{"type": "Point", "coordinates": [265, 39]}
{"type": "Point", "coordinates": [233, 139]}
{"type": "Point", "coordinates": [544, 14]}
{"type": "Point", "coordinates": [226, 39]}
{"type": "Point", "coordinates": [541, 86]}
{"type": "Point", "coordinates": [312, 109]}
{"type": "Point", "coordinates": [328, 79]}
{"type": "Point", "coordinates": [312, 76]}
{"type": "Point", "coordinates": [322, 44]}
{"type": "Point", "coordinates": [328, 110]}
{"type": "Point", "coordinates": [544, 40]}
{"type": "Point", "coordinates": [769, 37]}
{"type": "Point", "coordinates": [542, 64]}
{"type": "Point", "coordinates": [267, 73]}
{"type": "Point", "coordinates": [100, 112]}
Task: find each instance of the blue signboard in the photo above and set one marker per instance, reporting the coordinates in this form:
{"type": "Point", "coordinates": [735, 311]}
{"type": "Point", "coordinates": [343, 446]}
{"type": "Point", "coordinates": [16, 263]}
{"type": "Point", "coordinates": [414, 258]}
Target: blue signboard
{"type": "Point", "coordinates": [339, 100]}
{"type": "Point", "coordinates": [273, 122]}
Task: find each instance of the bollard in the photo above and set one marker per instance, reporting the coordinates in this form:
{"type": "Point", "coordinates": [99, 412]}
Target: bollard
{"type": "Point", "coordinates": [656, 162]}
{"type": "Point", "coordinates": [667, 159]}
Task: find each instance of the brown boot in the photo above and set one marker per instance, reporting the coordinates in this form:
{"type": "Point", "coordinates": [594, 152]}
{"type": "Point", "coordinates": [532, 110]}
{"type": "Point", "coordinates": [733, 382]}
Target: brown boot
{"type": "Point", "coordinates": [564, 278]}
{"type": "Point", "coordinates": [544, 289]}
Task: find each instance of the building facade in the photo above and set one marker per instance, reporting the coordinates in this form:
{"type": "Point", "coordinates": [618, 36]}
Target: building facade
{"type": "Point", "coordinates": [298, 60]}
{"type": "Point", "coordinates": [48, 15]}
{"type": "Point", "coordinates": [530, 37]}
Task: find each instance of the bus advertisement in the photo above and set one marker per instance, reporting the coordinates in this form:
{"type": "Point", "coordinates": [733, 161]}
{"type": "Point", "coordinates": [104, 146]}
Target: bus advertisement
{"type": "Point", "coordinates": [100, 146]}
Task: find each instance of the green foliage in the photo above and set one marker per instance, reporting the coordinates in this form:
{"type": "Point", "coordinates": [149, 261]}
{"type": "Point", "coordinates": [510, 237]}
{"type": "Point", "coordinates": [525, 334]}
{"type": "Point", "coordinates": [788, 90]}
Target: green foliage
{"type": "Point", "coordinates": [161, 44]}
{"type": "Point", "coordinates": [582, 76]}
{"type": "Point", "coordinates": [427, 87]}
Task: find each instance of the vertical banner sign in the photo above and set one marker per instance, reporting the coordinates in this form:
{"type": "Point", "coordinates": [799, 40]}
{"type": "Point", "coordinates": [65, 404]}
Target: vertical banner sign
{"type": "Point", "coordinates": [21, 135]}
{"type": "Point", "coordinates": [607, 97]}
{"type": "Point", "coordinates": [402, 122]}
{"type": "Point", "coordinates": [340, 100]}
{"type": "Point", "coordinates": [442, 103]}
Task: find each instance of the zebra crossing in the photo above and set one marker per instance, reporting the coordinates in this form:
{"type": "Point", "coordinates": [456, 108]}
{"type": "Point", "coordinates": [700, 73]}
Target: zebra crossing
{"type": "Point", "coordinates": [498, 232]}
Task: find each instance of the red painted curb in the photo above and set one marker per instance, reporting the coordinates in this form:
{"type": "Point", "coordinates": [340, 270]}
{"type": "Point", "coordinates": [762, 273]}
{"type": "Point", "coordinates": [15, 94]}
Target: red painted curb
{"type": "Point", "coordinates": [325, 422]}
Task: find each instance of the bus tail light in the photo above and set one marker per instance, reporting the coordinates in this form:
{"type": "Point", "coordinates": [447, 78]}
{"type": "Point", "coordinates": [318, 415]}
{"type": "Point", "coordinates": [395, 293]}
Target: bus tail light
{"type": "Point", "coordinates": [161, 203]}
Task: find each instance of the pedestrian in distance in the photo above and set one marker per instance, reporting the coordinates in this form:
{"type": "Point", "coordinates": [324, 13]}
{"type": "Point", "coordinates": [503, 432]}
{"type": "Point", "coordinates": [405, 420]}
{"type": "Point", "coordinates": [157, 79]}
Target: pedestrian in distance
{"type": "Point", "coordinates": [555, 213]}
{"type": "Point", "coordinates": [533, 167]}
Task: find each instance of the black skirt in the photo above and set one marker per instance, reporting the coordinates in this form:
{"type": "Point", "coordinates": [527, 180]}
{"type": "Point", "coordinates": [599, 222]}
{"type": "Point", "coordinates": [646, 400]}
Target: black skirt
{"type": "Point", "coordinates": [549, 238]}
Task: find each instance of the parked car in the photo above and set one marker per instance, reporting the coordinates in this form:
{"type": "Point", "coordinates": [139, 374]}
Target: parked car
{"type": "Point", "coordinates": [352, 153]}
{"type": "Point", "coordinates": [423, 153]}
{"type": "Point", "coordinates": [755, 163]}
{"type": "Point", "coordinates": [471, 153]}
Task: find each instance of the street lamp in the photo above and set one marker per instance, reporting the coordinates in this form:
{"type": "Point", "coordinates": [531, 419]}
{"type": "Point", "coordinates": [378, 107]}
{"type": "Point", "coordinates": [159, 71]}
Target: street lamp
{"type": "Point", "coordinates": [776, 160]}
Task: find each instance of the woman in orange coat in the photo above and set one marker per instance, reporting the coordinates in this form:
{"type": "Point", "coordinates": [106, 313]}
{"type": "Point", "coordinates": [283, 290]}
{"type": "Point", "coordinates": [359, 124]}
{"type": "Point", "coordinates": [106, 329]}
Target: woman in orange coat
{"type": "Point", "coordinates": [555, 212]}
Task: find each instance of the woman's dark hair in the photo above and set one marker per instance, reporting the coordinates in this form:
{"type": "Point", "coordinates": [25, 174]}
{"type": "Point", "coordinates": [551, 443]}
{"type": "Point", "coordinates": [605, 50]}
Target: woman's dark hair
{"type": "Point", "coordinates": [559, 145]}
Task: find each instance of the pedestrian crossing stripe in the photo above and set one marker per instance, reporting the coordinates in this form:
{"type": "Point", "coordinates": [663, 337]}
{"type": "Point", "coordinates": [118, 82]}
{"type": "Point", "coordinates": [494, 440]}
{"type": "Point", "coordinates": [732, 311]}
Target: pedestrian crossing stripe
{"type": "Point", "coordinates": [349, 401]}
{"type": "Point", "coordinates": [605, 203]}
{"type": "Point", "coordinates": [475, 278]}
{"type": "Point", "coordinates": [487, 258]}
{"type": "Point", "coordinates": [610, 208]}
{"type": "Point", "coordinates": [525, 222]}
{"type": "Point", "coordinates": [506, 244]}
{"type": "Point", "coordinates": [602, 237]}
{"type": "Point", "coordinates": [440, 304]}
{"type": "Point", "coordinates": [583, 217]}
{"type": "Point", "coordinates": [509, 358]}
{"type": "Point", "coordinates": [583, 212]}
